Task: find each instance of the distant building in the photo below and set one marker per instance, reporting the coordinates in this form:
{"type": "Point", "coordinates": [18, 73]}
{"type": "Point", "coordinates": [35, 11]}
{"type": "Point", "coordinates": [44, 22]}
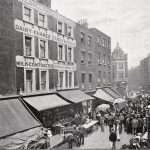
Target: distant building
{"type": "Point", "coordinates": [145, 73]}
{"type": "Point", "coordinates": [119, 70]}
{"type": "Point", "coordinates": [134, 79]}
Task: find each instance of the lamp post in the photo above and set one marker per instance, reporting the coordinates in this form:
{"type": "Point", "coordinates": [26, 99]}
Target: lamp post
{"type": "Point", "coordinates": [148, 125]}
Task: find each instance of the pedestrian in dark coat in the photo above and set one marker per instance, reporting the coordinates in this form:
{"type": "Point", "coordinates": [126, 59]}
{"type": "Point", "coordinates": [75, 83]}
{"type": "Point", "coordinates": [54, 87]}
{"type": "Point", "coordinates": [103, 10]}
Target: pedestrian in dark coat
{"type": "Point", "coordinates": [113, 138]}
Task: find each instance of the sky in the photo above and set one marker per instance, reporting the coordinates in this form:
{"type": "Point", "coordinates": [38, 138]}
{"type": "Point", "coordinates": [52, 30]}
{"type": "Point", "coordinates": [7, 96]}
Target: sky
{"type": "Point", "coordinates": [125, 21]}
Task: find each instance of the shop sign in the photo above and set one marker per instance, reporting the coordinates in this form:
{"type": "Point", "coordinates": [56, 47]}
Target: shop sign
{"type": "Point", "coordinates": [26, 28]}
{"type": "Point", "coordinates": [24, 62]}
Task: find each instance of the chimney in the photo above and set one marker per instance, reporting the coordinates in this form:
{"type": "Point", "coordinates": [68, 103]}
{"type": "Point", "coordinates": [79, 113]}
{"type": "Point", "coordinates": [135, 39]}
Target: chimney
{"type": "Point", "coordinates": [83, 22]}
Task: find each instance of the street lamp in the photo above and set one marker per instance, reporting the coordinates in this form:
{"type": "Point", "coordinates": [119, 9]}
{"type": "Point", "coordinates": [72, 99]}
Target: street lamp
{"type": "Point", "coordinates": [148, 124]}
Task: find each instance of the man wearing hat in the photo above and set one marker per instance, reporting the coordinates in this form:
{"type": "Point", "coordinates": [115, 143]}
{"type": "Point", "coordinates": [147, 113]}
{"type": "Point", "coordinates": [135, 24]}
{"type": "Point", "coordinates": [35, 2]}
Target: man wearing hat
{"type": "Point", "coordinates": [113, 138]}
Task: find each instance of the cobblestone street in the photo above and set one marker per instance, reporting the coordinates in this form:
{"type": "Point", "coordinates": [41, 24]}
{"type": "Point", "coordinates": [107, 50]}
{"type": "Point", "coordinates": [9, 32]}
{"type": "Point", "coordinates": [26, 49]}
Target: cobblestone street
{"type": "Point", "coordinates": [100, 140]}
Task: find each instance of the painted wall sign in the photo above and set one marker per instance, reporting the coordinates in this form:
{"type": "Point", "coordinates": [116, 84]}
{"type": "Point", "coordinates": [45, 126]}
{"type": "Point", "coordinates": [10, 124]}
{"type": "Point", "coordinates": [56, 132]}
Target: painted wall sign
{"type": "Point", "coordinates": [26, 28]}
{"type": "Point", "coordinates": [42, 8]}
{"type": "Point", "coordinates": [33, 63]}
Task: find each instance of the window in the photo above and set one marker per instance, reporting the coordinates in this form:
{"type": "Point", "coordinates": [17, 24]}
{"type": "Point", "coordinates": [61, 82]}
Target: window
{"type": "Point", "coordinates": [89, 58]}
{"type": "Point", "coordinates": [60, 27]}
{"type": "Point", "coordinates": [70, 79]}
{"type": "Point", "coordinates": [28, 14]}
{"type": "Point", "coordinates": [69, 54]}
{"type": "Point", "coordinates": [109, 77]}
{"type": "Point", "coordinates": [43, 80]}
{"type": "Point", "coordinates": [42, 20]}
{"type": "Point", "coordinates": [90, 81]}
{"type": "Point", "coordinates": [108, 44]}
{"type": "Point", "coordinates": [98, 40]}
{"type": "Point", "coordinates": [120, 75]}
{"type": "Point", "coordinates": [99, 58]}
{"type": "Point", "coordinates": [90, 78]}
{"type": "Point", "coordinates": [99, 76]}
{"type": "Point", "coordinates": [82, 57]}
{"type": "Point", "coordinates": [60, 52]}
{"type": "Point", "coordinates": [82, 36]}
{"type": "Point", "coordinates": [29, 80]}
{"type": "Point", "coordinates": [28, 46]}
{"type": "Point", "coordinates": [83, 78]}
{"type": "Point", "coordinates": [69, 31]}
{"type": "Point", "coordinates": [104, 76]}
{"type": "Point", "coordinates": [61, 75]}
{"type": "Point", "coordinates": [43, 49]}
{"type": "Point", "coordinates": [103, 42]}
{"type": "Point", "coordinates": [120, 65]}
{"type": "Point", "coordinates": [108, 60]}
{"type": "Point", "coordinates": [89, 40]}
{"type": "Point", "coordinates": [104, 59]}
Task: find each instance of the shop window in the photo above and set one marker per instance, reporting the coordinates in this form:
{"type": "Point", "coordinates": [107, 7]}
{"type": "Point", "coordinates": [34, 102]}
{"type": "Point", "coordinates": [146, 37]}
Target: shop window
{"type": "Point", "coordinates": [28, 14]}
{"type": "Point", "coordinates": [43, 80]}
{"type": "Point", "coordinates": [43, 49]}
{"type": "Point", "coordinates": [29, 80]}
{"type": "Point", "coordinates": [70, 79]}
{"type": "Point", "coordinates": [89, 40]}
{"type": "Point", "coordinates": [60, 27]}
{"type": "Point", "coordinates": [28, 45]}
{"type": "Point", "coordinates": [61, 82]}
{"type": "Point", "coordinates": [60, 52]}
{"type": "Point", "coordinates": [42, 20]}
{"type": "Point", "coordinates": [82, 57]}
{"type": "Point", "coordinates": [89, 58]}
{"type": "Point", "coordinates": [82, 37]}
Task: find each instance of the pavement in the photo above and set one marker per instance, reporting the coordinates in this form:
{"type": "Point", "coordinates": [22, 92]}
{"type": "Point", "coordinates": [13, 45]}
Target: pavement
{"type": "Point", "coordinates": [100, 140]}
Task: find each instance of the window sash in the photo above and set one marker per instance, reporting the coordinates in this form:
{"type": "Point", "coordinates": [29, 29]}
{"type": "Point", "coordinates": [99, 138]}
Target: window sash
{"type": "Point", "coordinates": [61, 79]}
{"type": "Point", "coordinates": [69, 54]}
{"type": "Point", "coordinates": [82, 78]}
{"type": "Point", "coordinates": [43, 80]}
{"type": "Point", "coordinates": [69, 31]}
{"type": "Point", "coordinates": [82, 37]}
{"type": "Point", "coordinates": [29, 80]}
{"type": "Point", "coordinates": [60, 27]}
{"type": "Point", "coordinates": [28, 46]}
{"type": "Point", "coordinates": [41, 20]}
{"type": "Point", "coordinates": [89, 39]}
{"type": "Point", "coordinates": [70, 79]}
{"type": "Point", "coordinates": [90, 78]}
{"type": "Point", "coordinates": [60, 52]}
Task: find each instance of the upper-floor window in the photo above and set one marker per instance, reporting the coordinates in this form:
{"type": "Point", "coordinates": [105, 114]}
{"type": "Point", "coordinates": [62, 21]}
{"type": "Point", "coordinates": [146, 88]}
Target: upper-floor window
{"type": "Point", "coordinates": [60, 27]}
{"type": "Point", "coordinates": [28, 45]}
{"type": "Point", "coordinates": [28, 14]}
{"type": "Point", "coordinates": [104, 59]}
{"type": "Point", "coordinates": [83, 78]}
{"type": "Point", "coordinates": [120, 75]}
{"type": "Point", "coordinates": [120, 66]}
{"type": "Point", "coordinates": [89, 40]}
{"type": "Point", "coordinates": [69, 31]}
{"type": "Point", "coordinates": [60, 52]}
{"type": "Point", "coordinates": [82, 36]}
{"type": "Point", "coordinates": [103, 42]}
{"type": "Point", "coordinates": [43, 49]}
{"type": "Point", "coordinates": [99, 57]}
{"type": "Point", "coordinates": [108, 44]}
{"type": "Point", "coordinates": [99, 76]}
{"type": "Point", "coordinates": [43, 80]}
{"type": "Point", "coordinates": [109, 78]}
{"type": "Point", "coordinates": [42, 20]}
{"type": "Point", "coordinates": [82, 57]}
{"type": "Point", "coordinates": [90, 81]}
{"type": "Point", "coordinates": [98, 40]}
{"type": "Point", "coordinates": [89, 58]}
{"type": "Point", "coordinates": [69, 54]}
{"type": "Point", "coordinates": [70, 79]}
{"type": "Point", "coordinates": [108, 60]}
{"type": "Point", "coordinates": [61, 79]}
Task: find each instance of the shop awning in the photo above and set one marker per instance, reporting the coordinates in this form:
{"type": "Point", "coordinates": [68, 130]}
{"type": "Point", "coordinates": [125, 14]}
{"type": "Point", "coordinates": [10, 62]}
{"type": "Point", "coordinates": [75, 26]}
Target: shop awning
{"type": "Point", "coordinates": [75, 96]}
{"type": "Point", "coordinates": [112, 93]}
{"type": "Point", "coordinates": [113, 89]}
{"type": "Point", "coordinates": [103, 95]}
{"type": "Point", "coordinates": [14, 117]}
{"type": "Point", "coordinates": [44, 102]}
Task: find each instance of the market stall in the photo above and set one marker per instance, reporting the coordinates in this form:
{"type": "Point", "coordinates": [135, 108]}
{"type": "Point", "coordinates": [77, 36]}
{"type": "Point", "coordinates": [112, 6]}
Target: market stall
{"type": "Point", "coordinates": [103, 107]}
{"type": "Point", "coordinates": [120, 103]}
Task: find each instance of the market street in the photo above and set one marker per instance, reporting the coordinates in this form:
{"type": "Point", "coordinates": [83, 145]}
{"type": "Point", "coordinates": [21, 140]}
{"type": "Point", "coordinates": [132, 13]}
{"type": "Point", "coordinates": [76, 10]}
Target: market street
{"type": "Point", "coordinates": [100, 140]}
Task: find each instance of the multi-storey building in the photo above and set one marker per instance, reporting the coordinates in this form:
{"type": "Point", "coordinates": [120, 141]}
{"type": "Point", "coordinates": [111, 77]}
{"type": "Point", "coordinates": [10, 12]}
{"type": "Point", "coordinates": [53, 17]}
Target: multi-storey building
{"type": "Point", "coordinates": [119, 70]}
{"type": "Point", "coordinates": [94, 50]}
{"type": "Point", "coordinates": [145, 73]}
{"type": "Point", "coordinates": [37, 47]}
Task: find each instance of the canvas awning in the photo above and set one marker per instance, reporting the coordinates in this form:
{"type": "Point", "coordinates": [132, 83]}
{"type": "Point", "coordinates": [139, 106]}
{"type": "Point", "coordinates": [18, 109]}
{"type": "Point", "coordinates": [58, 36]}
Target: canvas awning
{"type": "Point", "coordinates": [112, 93]}
{"type": "Point", "coordinates": [103, 95]}
{"type": "Point", "coordinates": [14, 117]}
{"type": "Point", "coordinates": [75, 96]}
{"type": "Point", "coordinates": [103, 107]}
{"type": "Point", "coordinates": [44, 102]}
